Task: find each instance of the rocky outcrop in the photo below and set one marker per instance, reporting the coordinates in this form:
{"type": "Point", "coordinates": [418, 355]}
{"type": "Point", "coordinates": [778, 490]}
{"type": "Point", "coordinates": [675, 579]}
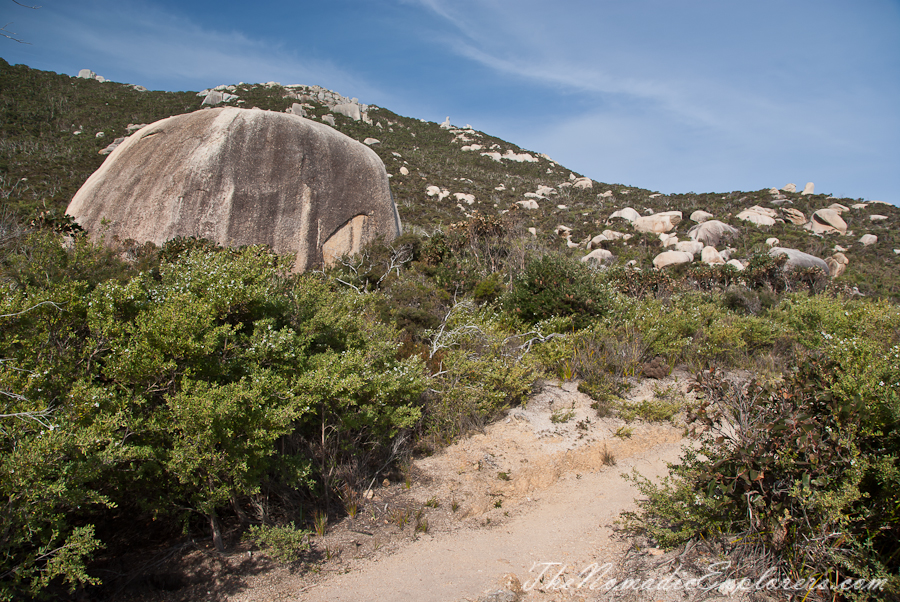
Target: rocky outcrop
{"type": "Point", "coordinates": [240, 177]}
{"type": "Point", "coordinates": [810, 188]}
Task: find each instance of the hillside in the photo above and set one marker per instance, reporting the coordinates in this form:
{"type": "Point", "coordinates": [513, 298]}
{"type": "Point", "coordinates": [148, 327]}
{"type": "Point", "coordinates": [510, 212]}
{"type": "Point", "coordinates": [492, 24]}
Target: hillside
{"type": "Point", "coordinates": [50, 138]}
{"type": "Point", "coordinates": [167, 411]}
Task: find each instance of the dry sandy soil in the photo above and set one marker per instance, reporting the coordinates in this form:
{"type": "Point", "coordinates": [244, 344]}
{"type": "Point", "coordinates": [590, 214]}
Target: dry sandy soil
{"type": "Point", "coordinates": [495, 517]}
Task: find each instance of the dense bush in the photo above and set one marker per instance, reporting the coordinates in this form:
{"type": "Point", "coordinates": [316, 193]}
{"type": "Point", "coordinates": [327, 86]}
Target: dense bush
{"type": "Point", "coordinates": [805, 475]}
{"type": "Point", "coordinates": [194, 386]}
{"type": "Point", "coordinates": [554, 285]}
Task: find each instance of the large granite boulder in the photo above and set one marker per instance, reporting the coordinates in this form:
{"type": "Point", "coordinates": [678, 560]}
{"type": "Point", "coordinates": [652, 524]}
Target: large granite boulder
{"type": "Point", "coordinates": [241, 177]}
{"type": "Point", "coordinates": [799, 259]}
{"type": "Point", "coordinates": [712, 232]}
{"type": "Point", "coordinates": [826, 221]}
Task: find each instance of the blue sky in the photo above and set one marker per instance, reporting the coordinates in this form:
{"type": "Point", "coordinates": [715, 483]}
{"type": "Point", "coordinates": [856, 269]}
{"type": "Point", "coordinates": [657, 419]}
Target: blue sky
{"type": "Point", "coordinates": [671, 95]}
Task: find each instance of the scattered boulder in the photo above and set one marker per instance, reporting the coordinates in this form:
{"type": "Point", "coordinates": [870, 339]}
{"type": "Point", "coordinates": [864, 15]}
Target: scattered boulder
{"type": "Point", "coordinates": [627, 214]}
{"type": "Point", "coordinates": [799, 259]}
{"type": "Point", "coordinates": [735, 264]}
{"type": "Point", "coordinates": [601, 256]}
{"type": "Point", "coordinates": [112, 146]}
{"type": "Point", "coordinates": [350, 109]}
{"type": "Point", "coordinates": [597, 241]}
{"type": "Point", "coordinates": [563, 231]}
{"type": "Point", "coordinates": [773, 242]}
{"type": "Point", "coordinates": [758, 215]}
{"type": "Point", "coordinates": [658, 222]}
{"type": "Point", "coordinates": [810, 188]}
{"type": "Point", "coordinates": [712, 232]}
{"type": "Point", "coordinates": [298, 110]}
{"type": "Point", "coordinates": [242, 177]}
{"type": "Point", "coordinates": [790, 188]}
{"type": "Point", "coordinates": [533, 232]}
{"type": "Point", "coordinates": [613, 235]}
{"type": "Point", "coordinates": [329, 119]}
{"type": "Point", "coordinates": [835, 268]}
{"type": "Point", "coordinates": [700, 216]}
{"type": "Point", "coordinates": [690, 246]}
{"type": "Point", "coordinates": [868, 239]}
{"type": "Point", "coordinates": [711, 256]}
{"type": "Point", "coordinates": [404, 171]}
{"type": "Point", "coordinates": [668, 258]}
{"type": "Point", "coordinates": [795, 216]}
{"type": "Point", "coordinates": [668, 240]}
{"type": "Point", "coordinates": [877, 218]}
{"type": "Point", "coordinates": [466, 198]}
{"type": "Point", "coordinates": [605, 195]}
{"type": "Point", "coordinates": [839, 208]}
{"type": "Point", "coordinates": [216, 97]}
{"type": "Point", "coordinates": [371, 141]}
{"type": "Point", "coordinates": [88, 74]}
{"type": "Point", "coordinates": [583, 183]}
{"type": "Point", "coordinates": [826, 221]}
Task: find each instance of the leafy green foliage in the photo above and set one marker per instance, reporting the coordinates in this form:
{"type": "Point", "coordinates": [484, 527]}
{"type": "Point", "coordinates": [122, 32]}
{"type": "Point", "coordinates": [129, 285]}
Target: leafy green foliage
{"type": "Point", "coordinates": [557, 286]}
{"type": "Point", "coordinates": [172, 389]}
{"type": "Point", "coordinates": [807, 471]}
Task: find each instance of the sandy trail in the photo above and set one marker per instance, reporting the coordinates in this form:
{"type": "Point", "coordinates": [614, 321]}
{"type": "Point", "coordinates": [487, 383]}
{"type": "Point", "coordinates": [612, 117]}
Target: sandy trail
{"type": "Point", "coordinates": [537, 487]}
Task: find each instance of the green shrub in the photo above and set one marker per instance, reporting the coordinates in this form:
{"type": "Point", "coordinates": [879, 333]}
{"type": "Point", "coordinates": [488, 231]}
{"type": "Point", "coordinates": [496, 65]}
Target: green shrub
{"type": "Point", "coordinates": [557, 286]}
{"type": "Point", "coordinates": [808, 472]}
{"type": "Point", "coordinates": [284, 544]}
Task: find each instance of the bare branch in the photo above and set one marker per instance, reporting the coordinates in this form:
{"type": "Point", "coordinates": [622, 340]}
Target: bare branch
{"type": "Point", "coordinates": [30, 308]}
{"type": "Point", "coordinates": [11, 34]}
{"type": "Point", "coordinates": [25, 5]}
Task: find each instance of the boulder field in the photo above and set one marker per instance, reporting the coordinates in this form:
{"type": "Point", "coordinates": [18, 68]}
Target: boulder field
{"type": "Point", "coordinates": [242, 177]}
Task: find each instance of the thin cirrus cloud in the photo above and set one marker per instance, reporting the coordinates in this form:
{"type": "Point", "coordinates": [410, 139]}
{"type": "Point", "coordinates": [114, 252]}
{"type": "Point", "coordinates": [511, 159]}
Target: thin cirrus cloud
{"type": "Point", "coordinates": [697, 95]}
{"type": "Point", "coordinates": [143, 43]}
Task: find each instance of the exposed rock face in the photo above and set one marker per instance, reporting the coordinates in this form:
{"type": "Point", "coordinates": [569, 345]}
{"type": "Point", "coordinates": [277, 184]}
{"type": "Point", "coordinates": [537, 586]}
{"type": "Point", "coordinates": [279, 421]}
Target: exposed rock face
{"type": "Point", "coordinates": [712, 232]}
{"type": "Point", "coordinates": [240, 177]}
{"type": "Point", "coordinates": [799, 259]}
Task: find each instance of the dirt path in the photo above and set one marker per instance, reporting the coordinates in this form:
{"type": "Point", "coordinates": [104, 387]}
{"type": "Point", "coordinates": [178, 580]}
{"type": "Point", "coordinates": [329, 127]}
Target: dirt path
{"type": "Point", "coordinates": [545, 485]}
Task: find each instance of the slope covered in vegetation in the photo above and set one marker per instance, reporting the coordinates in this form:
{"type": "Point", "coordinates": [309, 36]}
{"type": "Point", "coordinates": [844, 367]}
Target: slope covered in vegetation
{"type": "Point", "coordinates": [208, 391]}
